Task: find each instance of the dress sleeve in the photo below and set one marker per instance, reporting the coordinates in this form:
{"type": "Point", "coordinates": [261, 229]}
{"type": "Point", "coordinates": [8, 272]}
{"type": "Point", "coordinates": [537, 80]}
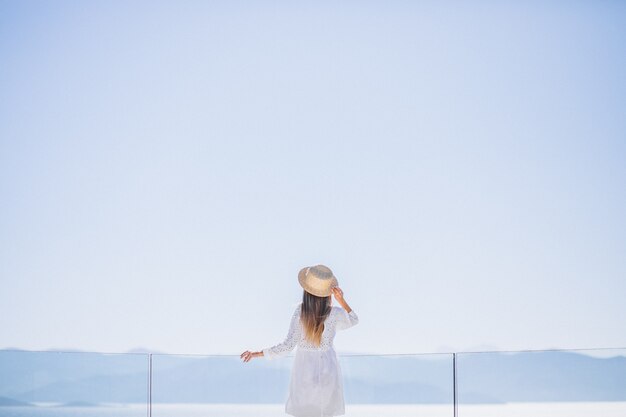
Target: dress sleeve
{"type": "Point", "coordinates": [293, 335]}
{"type": "Point", "coordinates": [345, 319]}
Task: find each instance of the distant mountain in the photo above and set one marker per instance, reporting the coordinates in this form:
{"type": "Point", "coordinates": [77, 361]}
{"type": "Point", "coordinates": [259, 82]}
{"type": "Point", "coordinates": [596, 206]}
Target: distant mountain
{"type": "Point", "coordinates": [79, 404]}
{"type": "Point", "coordinates": [10, 402]}
{"type": "Point", "coordinates": [144, 350]}
{"type": "Point", "coordinates": [482, 378]}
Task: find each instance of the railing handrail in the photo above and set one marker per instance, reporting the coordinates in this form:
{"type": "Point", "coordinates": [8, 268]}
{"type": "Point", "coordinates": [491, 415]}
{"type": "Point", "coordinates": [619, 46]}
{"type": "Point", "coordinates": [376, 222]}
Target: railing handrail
{"type": "Point", "coordinates": [338, 353]}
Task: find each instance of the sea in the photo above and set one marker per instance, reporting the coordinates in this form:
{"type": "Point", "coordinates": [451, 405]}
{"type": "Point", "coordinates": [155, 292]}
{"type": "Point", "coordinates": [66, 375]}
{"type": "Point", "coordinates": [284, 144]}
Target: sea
{"type": "Point", "coordinates": [526, 409]}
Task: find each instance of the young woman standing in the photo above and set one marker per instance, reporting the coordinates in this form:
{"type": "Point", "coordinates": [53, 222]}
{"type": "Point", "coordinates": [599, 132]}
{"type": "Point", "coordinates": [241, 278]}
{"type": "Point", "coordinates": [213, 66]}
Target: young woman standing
{"type": "Point", "coordinates": [316, 386]}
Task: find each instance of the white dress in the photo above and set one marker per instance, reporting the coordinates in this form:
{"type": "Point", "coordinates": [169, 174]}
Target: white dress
{"type": "Point", "coordinates": [316, 386]}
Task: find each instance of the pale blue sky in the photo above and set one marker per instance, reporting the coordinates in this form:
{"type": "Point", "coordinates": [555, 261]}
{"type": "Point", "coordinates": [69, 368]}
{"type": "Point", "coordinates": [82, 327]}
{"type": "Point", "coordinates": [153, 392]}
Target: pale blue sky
{"type": "Point", "coordinates": [166, 169]}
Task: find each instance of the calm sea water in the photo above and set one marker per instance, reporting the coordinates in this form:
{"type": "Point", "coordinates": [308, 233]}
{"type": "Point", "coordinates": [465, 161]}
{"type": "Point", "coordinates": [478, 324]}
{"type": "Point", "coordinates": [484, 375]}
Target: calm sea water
{"type": "Point", "coordinates": [571, 409]}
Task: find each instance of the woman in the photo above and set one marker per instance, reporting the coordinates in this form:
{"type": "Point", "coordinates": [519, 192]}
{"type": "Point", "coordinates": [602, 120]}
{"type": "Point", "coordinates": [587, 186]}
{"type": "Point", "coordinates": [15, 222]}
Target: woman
{"type": "Point", "coordinates": [316, 386]}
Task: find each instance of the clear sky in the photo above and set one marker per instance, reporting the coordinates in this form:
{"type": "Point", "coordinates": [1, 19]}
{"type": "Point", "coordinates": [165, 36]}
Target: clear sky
{"type": "Point", "coordinates": [166, 169]}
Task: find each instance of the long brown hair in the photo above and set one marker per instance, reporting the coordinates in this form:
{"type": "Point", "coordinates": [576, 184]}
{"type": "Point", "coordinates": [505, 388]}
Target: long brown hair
{"type": "Point", "coordinates": [313, 313]}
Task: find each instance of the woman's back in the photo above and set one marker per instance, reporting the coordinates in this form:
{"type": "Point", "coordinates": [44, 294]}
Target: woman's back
{"type": "Point", "coordinates": [337, 319]}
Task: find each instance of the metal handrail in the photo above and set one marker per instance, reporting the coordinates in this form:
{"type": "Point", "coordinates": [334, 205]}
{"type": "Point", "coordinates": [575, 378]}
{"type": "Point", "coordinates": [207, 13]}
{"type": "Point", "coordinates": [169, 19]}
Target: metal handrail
{"type": "Point", "coordinates": [338, 353]}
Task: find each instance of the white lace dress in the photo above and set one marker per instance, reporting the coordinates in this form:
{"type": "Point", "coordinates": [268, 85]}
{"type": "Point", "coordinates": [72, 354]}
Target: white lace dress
{"type": "Point", "coordinates": [316, 385]}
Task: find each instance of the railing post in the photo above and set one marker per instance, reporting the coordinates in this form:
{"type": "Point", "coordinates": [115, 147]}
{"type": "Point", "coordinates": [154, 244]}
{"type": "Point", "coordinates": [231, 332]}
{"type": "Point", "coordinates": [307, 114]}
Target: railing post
{"type": "Point", "coordinates": [455, 400]}
{"type": "Point", "coordinates": [150, 385]}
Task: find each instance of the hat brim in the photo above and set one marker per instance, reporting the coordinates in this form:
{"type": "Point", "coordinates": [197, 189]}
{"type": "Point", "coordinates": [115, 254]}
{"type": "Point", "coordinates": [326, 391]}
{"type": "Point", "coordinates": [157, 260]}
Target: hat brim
{"type": "Point", "coordinates": [324, 291]}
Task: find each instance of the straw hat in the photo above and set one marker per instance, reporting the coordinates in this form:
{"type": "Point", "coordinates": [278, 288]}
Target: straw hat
{"type": "Point", "coordinates": [317, 280]}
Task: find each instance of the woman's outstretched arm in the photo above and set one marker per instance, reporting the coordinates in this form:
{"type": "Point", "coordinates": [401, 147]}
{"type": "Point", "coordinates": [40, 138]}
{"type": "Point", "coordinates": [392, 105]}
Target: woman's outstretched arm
{"type": "Point", "coordinates": [283, 348]}
{"type": "Point", "coordinates": [248, 355]}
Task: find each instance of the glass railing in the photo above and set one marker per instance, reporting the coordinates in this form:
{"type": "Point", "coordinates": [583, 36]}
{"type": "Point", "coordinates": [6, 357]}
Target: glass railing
{"type": "Point", "coordinates": [185, 385]}
{"type": "Point", "coordinates": [554, 383]}
{"type": "Point", "coordinates": [65, 384]}
{"type": "Point", "coordinates": [557, 383]}
{"type": "Point", "coordinates": [401, 385]}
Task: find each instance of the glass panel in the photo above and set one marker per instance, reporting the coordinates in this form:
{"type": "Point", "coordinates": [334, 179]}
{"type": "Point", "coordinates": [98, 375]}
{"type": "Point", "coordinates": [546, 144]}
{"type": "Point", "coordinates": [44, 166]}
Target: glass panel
{"type": "Point", "coordinates": [374, 385]}
{"type": "Point", "coordinates": [398, 385]}
{"type": "Point", "coordinates": [542, 383]}
{"type": "Point", "coordinates": [219, 385]}
{"type": "Point", "coordinates": [66, 384]}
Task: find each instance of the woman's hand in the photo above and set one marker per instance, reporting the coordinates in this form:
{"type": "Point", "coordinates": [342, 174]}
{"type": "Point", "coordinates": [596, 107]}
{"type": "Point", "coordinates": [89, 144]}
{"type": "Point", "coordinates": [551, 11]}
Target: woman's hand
{"type": "Point", "coordinates": [247, 355]}
{"type": "Point", "coordinates": [338, 293]}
